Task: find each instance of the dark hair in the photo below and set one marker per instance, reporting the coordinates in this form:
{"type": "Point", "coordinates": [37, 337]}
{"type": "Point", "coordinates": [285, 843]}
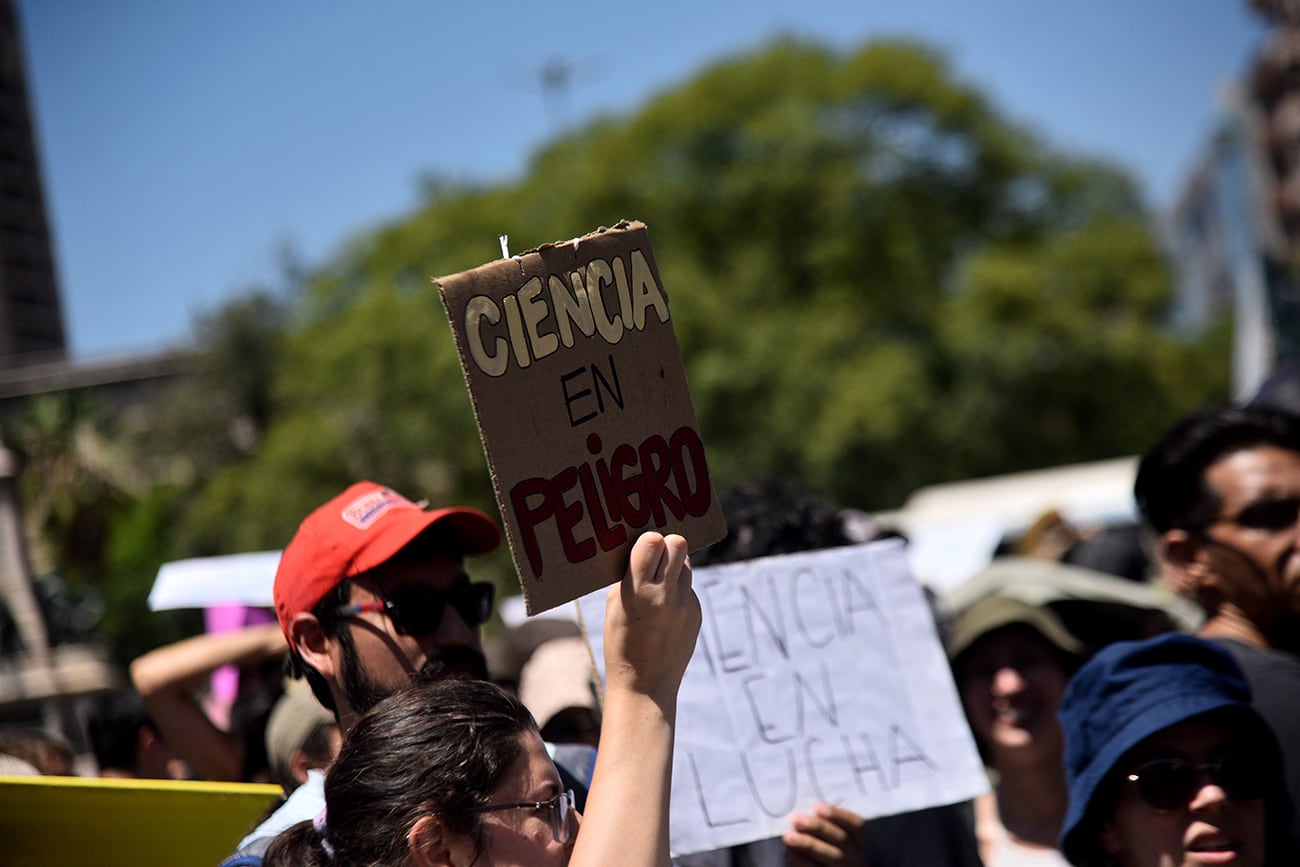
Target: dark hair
{"type": "Point", "coordinates": [1115, 550]}
{"type": "Point", "coordinates": [435, 748]}
{"type": "Point", "coordinates": [1170, 488]}
{"type": "Point", "coordinates": [114, 729]}
{"type": "Point", "coordinates": [773, 517]}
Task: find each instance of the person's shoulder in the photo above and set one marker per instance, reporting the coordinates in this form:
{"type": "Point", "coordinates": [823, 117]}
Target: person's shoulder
{"type": "Point", "coordinates": [1256, 661]}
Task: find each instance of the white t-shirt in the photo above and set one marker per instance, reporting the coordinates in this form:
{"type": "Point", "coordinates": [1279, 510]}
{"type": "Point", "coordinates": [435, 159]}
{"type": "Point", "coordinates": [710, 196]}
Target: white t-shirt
{"type": "Point", "coordinates": [304, 803]}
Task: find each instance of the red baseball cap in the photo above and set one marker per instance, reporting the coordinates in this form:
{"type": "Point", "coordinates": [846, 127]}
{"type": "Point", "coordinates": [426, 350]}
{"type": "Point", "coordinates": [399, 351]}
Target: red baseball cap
{"type": "Point", "coordinates": [356, 531]}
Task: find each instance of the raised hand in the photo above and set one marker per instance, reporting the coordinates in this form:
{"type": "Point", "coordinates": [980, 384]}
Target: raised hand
{"type": "Point", "coordinates": [652, 618]}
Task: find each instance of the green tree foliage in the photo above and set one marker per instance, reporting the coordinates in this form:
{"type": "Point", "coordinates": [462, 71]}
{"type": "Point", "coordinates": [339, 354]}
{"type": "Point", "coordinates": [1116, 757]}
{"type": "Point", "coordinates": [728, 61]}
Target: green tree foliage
{"type": "Point", "coordinates": [218, 413]}
{"type": "Point", "coordinates": [142, 539]}
{"type": "Point", "coordinates": [878, 280]}
{"type": "Point", "coordinates": [74, 480]}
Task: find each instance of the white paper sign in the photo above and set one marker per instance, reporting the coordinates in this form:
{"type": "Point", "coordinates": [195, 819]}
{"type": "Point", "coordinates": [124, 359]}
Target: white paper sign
{"type": "Point", "coordinates": [816, 677]}
{"type": "Point", "coordinates": [234, 579]}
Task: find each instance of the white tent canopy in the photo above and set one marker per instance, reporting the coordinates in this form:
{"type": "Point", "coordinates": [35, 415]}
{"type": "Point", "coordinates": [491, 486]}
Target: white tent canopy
{"type": "Point", "coordinates": [953, 529]}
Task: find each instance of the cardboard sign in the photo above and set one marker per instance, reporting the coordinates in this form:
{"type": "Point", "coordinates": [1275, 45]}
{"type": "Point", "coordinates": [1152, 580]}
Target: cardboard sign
{"type": "Point", "coordinates": [817, 677]}
{"type": "Point", "coordinates": [131, 823]}
{"type": "Point", "coordinates": [577, 384]}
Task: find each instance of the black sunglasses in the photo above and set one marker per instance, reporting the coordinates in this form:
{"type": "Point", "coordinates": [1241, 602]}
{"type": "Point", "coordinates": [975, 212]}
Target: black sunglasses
{"type": "Point", "coordinates": [1271, 515]}
{"type": "Point", "coordinates": [1171, 784]}
{"type": "Point", "coordinates": [418, 610]}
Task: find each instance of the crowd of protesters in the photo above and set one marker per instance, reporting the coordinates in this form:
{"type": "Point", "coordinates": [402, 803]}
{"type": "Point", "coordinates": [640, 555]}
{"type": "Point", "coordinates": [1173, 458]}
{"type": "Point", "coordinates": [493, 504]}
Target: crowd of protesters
{"type": "Point", "coordinates": [1135, 697]}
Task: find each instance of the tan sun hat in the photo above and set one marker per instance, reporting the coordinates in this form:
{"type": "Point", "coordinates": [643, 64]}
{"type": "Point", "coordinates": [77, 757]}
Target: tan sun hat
{"type": "Point", "coordinates": [995, 612]}
{"type": "Point", "coordinates": [297, 715]}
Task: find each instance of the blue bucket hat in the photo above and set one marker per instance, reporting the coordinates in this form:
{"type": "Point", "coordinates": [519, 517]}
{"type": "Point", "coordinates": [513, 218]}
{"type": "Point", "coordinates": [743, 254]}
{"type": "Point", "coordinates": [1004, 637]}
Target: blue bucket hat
{"type": "Point", "coordinates": [1128, 692]}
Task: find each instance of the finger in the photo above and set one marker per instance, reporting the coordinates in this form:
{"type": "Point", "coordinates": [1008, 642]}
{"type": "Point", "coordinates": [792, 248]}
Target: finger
{"type": "Point", "coordinates": [673, 565]}
{"type": "Point", "coordinates": [846, 819]}
{"type": "Point", "coordinates": [646, 559]}
{"type": "Point", "coordinates": [821, 829]}
{"type": "Point", "coordinates": [803, 849]}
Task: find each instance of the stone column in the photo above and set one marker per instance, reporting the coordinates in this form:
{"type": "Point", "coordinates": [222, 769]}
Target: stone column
{"type": "Point", "coordinates": [15, 572]}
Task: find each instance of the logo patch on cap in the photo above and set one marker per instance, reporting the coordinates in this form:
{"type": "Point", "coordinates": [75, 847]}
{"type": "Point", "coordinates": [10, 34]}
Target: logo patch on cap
{"type": "Point", "coordinates": [368, 508]}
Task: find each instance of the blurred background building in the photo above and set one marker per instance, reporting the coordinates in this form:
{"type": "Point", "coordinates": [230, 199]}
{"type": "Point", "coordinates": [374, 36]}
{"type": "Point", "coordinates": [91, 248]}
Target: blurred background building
{"type": "Point", "coordinates": [1235, 231]}
{"type": "Point", "coordinates": [31, 315]}
{"type": "Point", "coordinates": [39, 679]}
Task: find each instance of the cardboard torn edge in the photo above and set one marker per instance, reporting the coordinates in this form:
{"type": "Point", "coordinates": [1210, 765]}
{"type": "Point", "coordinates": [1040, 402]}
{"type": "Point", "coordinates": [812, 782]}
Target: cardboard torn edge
{"type": "Point", "coordinates": [621, 226]}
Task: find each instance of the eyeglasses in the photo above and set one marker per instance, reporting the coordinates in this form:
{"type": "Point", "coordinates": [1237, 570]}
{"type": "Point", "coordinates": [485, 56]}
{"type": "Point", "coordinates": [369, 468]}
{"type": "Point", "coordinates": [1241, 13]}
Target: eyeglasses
{"type": "Point", "coordinates": [1272, 515]}
{"type": "Point", "coordinates": [418, 610]}
{"type": "Point", "coordinates": [1171, 784]}
{"type": "Point", "coordinates": [557, 810]}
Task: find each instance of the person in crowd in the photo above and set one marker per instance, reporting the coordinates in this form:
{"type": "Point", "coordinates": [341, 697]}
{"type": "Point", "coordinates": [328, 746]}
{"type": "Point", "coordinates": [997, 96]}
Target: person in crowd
{"type": "Point", "coordinates": [454, 772]}
{"type": "Point", "coordinates": [1168, 763]}
{"type": "Point", "coordinates": [302, 737]}
{"type": "Point", "coordinates": [557, 686]}
{"type": "Point", "coordinates": [1011, 662]}
{"type": "Point", "coordinates": [371, 592]}
{"type": "Point", "coordinates": [126, 742]}
{"type": "Point", "coordinates": [1220, 492]}
{"type": "Point", "coordinates": [49, 753]}
{"type": "Point", "coordinates": [168, 679]}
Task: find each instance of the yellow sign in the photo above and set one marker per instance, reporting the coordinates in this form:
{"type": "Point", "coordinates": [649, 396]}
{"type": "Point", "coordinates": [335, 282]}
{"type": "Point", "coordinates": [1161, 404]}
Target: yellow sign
{"type": "Point", "coordinates": [132, 823]}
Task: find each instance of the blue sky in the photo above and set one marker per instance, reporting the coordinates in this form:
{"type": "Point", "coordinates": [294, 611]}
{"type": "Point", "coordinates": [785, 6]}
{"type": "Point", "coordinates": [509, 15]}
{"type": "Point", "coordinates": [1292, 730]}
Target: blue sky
{"type": "Point", "coordinates": [186, 144]}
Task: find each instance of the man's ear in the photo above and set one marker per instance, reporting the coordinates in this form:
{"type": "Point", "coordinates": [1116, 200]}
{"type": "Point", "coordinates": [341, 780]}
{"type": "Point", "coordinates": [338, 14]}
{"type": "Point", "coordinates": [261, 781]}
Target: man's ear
{"type": "Point", "coordinates": [146, 737]}
{"type": "Point", "coordinates": [429, 843]}
{"type": "Point", "coordinates": [312, 643]}
{"type": "Point", "coordinates": [1182, 551]}
{"type": "Point", "coordinates": [299, 764]}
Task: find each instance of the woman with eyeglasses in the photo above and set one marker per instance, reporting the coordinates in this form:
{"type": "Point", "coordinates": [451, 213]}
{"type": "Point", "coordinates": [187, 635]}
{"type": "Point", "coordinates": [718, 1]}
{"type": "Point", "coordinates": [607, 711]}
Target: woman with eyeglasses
{"type": "Point", "coordinates": [453, 772]}
{"type": "Point", "coordinates": [1168, 763]}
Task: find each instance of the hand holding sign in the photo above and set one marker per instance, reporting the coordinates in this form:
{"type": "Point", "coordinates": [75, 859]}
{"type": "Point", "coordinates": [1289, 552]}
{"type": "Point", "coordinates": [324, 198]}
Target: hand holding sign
{"type": "Point", "coordinates": [586, 418]}
{"type": "Point", "coordinates": [829, 835]}
{"type": "Point", "coordinates": [651, 621]}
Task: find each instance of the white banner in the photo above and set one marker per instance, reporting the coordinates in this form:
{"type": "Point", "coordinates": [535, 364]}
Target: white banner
{"type": "Point", "coordinates": [816, 677]}
{"type": "Point", "coordinates": [235, 579]}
